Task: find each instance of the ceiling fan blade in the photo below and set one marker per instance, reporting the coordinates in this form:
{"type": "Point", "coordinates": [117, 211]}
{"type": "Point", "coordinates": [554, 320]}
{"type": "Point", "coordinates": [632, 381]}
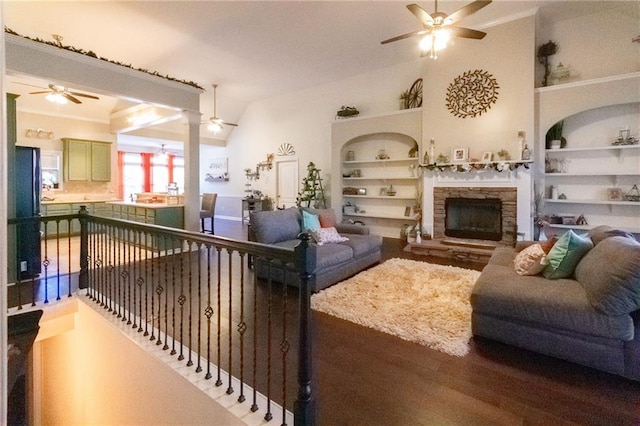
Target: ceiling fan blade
{"type": "Point", "coordinates": [27, 84]}
{"type": "Point", "coordinates": [421, 14]}
{"type": "Point", "coordinates": [40, 92]}
{"type": "Point", "coordinates": [401, 37]}
{"type": "Point", "coordinates": [224, 123]}
{"type": "Point", "coordinates": [84, 95]}
{"type": "Point", "coordinates": [71, 98]}
{"type": "Point", "coordinates": [467, 10]}
{"type": "Point", "coordinates": [467, 33]}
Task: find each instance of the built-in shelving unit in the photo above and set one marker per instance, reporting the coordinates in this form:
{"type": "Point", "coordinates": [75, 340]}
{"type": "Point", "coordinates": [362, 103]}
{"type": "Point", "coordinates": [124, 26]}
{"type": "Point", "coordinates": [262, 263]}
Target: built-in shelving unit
{"type": "Point", "coordinates": [592, 173]}
{"type": "Point", "coordinates": [378, 177]}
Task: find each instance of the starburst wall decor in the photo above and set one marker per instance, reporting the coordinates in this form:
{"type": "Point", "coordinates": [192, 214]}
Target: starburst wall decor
{"type": "Point", "coordinates": [472, 93]}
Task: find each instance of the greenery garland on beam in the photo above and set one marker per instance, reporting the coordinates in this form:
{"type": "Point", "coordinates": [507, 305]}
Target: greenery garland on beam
{"type": "Point", "coordinates": [499, 166]}
{"type": "Point", "coordinates": [93, 55]}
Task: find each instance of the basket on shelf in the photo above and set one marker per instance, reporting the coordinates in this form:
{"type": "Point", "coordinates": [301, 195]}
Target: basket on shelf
{"type": "Point", "coordinates": [633, 194]}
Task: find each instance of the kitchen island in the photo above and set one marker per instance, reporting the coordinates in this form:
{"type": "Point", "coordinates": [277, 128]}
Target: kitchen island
{"type": "Point", "coordinates": [162, 214]}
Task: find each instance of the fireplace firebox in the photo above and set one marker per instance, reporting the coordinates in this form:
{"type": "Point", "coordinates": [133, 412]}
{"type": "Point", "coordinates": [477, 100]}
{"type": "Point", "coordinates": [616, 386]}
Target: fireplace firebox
{"type": "Point", "coordinates": [473, 218]}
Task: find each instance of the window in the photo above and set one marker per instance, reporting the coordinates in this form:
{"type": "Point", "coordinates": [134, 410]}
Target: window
{"type": "Point", "coordinates": [132, 174]}
{"type": "Point", "coordinates": [145, 172]}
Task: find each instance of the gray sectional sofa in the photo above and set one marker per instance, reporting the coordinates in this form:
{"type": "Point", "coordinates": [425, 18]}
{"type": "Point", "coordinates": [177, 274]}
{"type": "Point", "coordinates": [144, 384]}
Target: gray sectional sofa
{"type": "Point", "coordinates": [591, 318]}
{"type": "Point", "coordinates": [334, 261]}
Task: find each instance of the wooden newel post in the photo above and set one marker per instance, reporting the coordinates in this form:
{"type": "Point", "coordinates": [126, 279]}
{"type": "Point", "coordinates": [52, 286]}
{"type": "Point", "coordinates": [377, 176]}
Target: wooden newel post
{"type": "Point", "coordinates": [304, 407]}
{"type": "Point", "coordinates": [83, 278]}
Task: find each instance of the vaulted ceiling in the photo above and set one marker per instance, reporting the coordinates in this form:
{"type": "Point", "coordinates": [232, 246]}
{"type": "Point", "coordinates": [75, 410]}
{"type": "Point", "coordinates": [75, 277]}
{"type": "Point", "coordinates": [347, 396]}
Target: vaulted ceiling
{"type": "Point", "coordinates": [251, 49]}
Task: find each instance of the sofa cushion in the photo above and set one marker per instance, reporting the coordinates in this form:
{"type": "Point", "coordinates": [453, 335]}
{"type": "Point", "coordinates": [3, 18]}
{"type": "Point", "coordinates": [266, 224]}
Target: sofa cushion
{"type": "Point", "coordinates": [558, 304]}
{"type": "Point", "coordinates": [327, 217]}
{"type": "Point", "coordinates": [327, 235]}
{"type": "Point", "coordinates": [332, 254]}
{"type": "Point", "coordinates": [530, 261]}
{"type": "Point", "coordinates": [274, 226]}
{"type": "Point", "coordinates": [363, 244]}
{"type": "Point", "coordinates": [602, 232]}
{"type": "Point", "coordinates": [565, 255]}
{"type": "Point", "coordinates": [310, 221]}
{"type": "Point", "coordinates": [610, 275]}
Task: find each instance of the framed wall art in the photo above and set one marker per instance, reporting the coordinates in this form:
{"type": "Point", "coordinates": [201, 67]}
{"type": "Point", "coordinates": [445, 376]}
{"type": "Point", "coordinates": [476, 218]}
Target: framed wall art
{"type": "Point", "coordinates": [218, 170]}
{"type": "Point", "coordinates": [487, 157]}
{"type": "Point", "coordinates": [459, 154]}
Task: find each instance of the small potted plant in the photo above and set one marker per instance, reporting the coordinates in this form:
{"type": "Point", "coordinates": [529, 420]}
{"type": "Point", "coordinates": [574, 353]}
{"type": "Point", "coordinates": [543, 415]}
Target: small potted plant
{"type": "Point", "coordinates": [503, 154]}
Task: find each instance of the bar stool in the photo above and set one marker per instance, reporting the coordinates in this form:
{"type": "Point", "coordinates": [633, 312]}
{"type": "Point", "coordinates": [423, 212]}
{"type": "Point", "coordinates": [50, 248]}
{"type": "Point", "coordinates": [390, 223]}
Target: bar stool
{"type": "Point", "coordinates": [208, 209]}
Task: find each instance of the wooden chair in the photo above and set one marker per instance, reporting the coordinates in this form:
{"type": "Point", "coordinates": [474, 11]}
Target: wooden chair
{"type": "Point", "coordinates": [208, 210]}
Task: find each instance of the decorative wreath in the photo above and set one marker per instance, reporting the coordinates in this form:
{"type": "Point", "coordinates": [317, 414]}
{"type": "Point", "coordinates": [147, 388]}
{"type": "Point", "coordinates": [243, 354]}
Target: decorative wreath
{"type": "Point", "coordinates": [472, 93]}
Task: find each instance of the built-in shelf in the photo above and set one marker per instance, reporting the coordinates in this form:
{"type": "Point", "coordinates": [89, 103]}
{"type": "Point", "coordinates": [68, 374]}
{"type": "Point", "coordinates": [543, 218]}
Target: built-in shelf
{"type": "Point", "coordinates": [593, 148]}
{"type": "Point", "coordinates": [383, 216]}
{"type": "Point", "coordinates": [382, 162]}
{"type": "Point", "coordinates": [601, 202]}
{"type": "Point", "coordinates": [591, 82]}
{"type": "Point", "coordinates": [596, 173]}
{"type": "Point", "coordinates": [380, 178]}
{"type": "Point", "coordinates": [588, 227]}
{"type": "Point", "coordinates": [380, 197]}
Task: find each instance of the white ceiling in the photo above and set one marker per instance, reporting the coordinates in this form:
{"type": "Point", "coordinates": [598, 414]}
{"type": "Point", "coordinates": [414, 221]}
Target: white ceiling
{"type": "Point", "coordinates": [252, 49]}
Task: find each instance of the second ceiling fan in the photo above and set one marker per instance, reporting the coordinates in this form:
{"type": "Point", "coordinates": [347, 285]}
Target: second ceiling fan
{"type": "Point", "coordinates": [438, 26]}
{"type": "Point", "coordinates": [61, 94]}
{"type": "Point", "coordinates": [214, 123]}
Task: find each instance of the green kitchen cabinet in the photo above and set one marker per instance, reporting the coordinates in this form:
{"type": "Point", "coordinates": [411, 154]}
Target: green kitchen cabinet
{"type": "Point", "coordinates": [85, 160]}
{"type": "Point", "coordinates": [100, 161]}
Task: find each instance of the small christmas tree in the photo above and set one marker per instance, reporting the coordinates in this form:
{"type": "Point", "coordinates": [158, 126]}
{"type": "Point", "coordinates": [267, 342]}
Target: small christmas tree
{"type": "Point", "coordinates": [311, 189]}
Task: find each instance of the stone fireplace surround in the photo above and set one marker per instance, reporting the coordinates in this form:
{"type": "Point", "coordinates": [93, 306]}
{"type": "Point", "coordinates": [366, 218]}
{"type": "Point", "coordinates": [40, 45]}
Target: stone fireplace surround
{"type": "Point", "coordinates": [508, 196]}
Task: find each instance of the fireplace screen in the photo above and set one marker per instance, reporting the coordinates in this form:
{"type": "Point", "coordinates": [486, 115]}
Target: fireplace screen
{"type": "Point", "coordinates": [473, 218]}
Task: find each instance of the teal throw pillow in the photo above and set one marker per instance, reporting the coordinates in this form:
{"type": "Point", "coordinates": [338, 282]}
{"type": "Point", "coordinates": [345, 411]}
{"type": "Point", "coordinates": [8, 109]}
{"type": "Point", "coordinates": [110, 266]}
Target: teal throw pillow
{"type": "Point", "coordinates": [310, 221]}
{"type": "Point", "coordinates": [565, 255]}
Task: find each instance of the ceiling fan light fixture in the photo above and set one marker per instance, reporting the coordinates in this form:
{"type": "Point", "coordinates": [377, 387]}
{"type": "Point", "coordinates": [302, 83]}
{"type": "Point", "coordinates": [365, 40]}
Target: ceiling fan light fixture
{"type": "Point", "coordinates": [435, 41]}
{"type": "Point", "coordinates": [214, 127]}
{"type": "Point", "coordinates": [163, 154]}
{"type": "Point", "coordinates": [56, 98]}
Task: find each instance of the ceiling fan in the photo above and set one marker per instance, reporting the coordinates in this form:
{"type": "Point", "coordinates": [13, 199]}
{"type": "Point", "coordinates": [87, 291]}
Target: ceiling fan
{"type": "Point", "coordinates": [214, 123]}
{"type": "Point", "coordinates": [60, 94]}
{"type": "Point", "coordinates": [438, 26]}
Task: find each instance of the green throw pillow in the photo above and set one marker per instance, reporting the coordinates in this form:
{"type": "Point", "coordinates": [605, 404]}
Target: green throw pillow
{"type": "Point", "coordinates": [565, 255]}
{"type": "Point", "coordinates": [310, 221]}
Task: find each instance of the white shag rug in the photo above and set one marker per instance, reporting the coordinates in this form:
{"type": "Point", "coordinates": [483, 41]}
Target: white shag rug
{"type": "Point", "coordinates": [416, 301]}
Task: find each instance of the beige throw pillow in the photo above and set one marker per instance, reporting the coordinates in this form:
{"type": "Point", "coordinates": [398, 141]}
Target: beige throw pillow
{"type": "Point", "coordinates": [530, 261]}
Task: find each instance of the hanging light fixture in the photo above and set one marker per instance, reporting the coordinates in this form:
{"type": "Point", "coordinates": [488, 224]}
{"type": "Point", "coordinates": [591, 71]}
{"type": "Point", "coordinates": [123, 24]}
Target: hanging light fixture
{"type": "Point", "coordinates": [163, 153]}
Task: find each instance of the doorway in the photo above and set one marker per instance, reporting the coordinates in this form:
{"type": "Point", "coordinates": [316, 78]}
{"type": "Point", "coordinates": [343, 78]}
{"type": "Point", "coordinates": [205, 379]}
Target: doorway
{"type": "Point", "coordinates": [286, 182]}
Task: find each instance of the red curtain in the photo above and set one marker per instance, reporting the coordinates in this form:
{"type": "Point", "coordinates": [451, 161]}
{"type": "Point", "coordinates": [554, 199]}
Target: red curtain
{"type": "Point", "coordinates": [146, 170]}
{"type": "Point", "coordinates": [170, 167]}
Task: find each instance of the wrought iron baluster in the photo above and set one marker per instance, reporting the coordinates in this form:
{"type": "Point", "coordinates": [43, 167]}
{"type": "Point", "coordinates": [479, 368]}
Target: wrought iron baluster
{"type": "Point", "coordinates": [254, 379]}
{"type": "Point", "coordinates": [219, 320]}
{"type": "Point", "coordinates": [284, 348]}
{"type": "Point", "coordinates": [69, 265]}
{"type": "Point", "coordinates": [146, 283]}
{"type": "Point", "coordinates": [190, 331]}
{"type": "Point", "coordinates": [208, 313]}
{"type": "Point", "coordinates": [199, 337]}
{"type": "Point", "coordinates": [173, 292]}
{"type": "Point", "coordinates": [166, 298]}
{"type": "Point", "coordinates": [58, 261]}
{"type": "Point", "coordinates": [230, 272]}
{"type": "Point", "coordinates": [268, 416]}
{"type": "Point", "coordinates": [181, 300]}
{"type": "Point", "coordinates": [242, 328]}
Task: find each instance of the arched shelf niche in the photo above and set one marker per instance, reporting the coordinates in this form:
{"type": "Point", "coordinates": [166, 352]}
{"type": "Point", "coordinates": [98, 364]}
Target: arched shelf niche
{"type": "Point", "coordinates": [375, 169]}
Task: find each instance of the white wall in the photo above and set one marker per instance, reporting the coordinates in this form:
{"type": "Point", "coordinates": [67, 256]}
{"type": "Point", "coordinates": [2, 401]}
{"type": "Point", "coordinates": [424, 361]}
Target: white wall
{"type": "Point", "coordinates": [595, 45]}
{"type": "Point", "coordinates": [506, 54]}
{"type": "Point", "coordinates": [304, 118]}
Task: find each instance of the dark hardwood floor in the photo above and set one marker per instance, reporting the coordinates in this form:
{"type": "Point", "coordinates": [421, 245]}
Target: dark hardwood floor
{"type": "Point", "coordinates": [365, 377]}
